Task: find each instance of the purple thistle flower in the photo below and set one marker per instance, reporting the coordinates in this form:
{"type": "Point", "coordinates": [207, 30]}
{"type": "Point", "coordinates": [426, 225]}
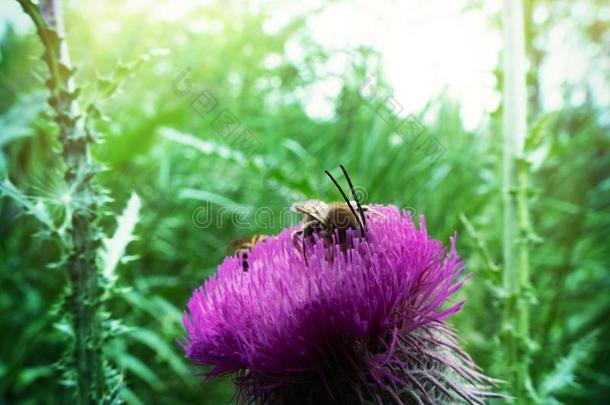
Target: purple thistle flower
{"type": "Point", "coordinates": [367, 326]}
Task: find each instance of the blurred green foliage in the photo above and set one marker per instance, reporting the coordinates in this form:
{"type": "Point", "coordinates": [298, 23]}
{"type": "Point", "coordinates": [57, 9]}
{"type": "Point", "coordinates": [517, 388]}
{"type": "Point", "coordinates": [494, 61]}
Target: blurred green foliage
{"type": "Point", "coordinates": [151, 147]}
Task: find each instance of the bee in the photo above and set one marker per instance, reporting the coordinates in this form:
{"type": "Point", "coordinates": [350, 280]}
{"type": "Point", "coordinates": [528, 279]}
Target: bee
{"type": "Point", "coordinates": [328, 219]}
{"type": "Point", "coordinates": [243, 246]}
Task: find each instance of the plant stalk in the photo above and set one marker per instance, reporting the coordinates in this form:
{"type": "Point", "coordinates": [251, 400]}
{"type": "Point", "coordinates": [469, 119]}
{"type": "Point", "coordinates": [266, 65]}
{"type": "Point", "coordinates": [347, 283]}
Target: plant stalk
{"type": "Point", "coordinates": [515, 323]}
{"type": "Point", "coordinates": [80, 239]}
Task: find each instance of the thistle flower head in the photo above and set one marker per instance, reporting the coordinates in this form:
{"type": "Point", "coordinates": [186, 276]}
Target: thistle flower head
{"type": "Point", "coordinates": [366, 324]}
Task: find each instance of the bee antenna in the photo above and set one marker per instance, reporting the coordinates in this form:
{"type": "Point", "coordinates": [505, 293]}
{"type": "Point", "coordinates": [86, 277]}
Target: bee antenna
{"type": "Point", "coordinates": [347, 201]}
{"type": "Point", "coordinates": [351, 187]}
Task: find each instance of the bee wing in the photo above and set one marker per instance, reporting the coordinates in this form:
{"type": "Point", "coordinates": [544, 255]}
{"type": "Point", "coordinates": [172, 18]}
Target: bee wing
{"type": "Point", "coordinates": [317, 209]}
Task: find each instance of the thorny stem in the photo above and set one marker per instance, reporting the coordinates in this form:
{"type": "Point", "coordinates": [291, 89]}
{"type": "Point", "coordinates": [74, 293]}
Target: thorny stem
{"type": "Point", "coordinates": [80, 241]}
{"type": "Point", "coordinates": [515, 323]}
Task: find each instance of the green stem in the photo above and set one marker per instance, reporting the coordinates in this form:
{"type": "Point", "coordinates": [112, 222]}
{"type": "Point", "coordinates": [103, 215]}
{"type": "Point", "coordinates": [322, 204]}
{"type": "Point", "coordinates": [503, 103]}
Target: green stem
{"type": "Point", "coordinates": [515, 323]}
{"type": "Point", "coordinates": [80, 242]}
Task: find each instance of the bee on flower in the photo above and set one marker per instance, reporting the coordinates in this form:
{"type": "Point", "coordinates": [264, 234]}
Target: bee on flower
{"type": "Point", "coordinates": [369, 326]}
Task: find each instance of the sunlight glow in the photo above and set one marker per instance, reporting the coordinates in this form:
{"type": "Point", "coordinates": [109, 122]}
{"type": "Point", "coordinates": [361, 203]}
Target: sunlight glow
{"type": "Point", "coordinates": [428, 49]}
